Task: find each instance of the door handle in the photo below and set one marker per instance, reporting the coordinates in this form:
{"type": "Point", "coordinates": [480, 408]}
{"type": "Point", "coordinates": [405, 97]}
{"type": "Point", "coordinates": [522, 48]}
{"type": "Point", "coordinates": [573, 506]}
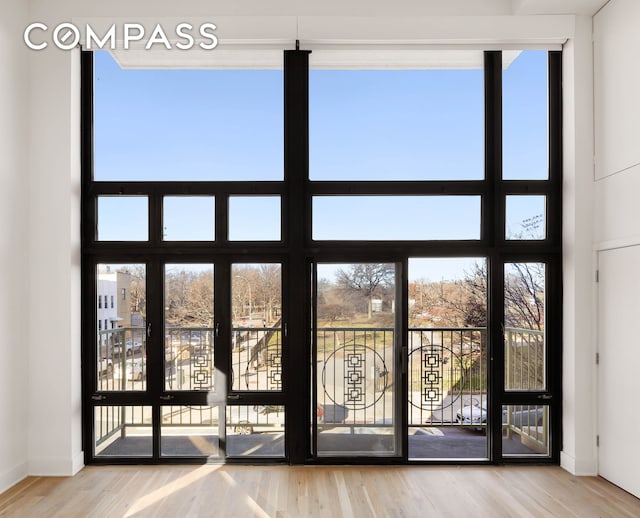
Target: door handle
{"type": "Point", "coordinates": [546, 397]}
{"type": "Point", "coordinates": [168, 397]}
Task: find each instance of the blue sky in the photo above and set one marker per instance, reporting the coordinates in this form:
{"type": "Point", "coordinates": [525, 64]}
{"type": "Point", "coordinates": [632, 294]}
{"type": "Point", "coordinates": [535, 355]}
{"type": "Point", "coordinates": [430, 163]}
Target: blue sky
{"type": "Point", "coordinates": [364, 125]}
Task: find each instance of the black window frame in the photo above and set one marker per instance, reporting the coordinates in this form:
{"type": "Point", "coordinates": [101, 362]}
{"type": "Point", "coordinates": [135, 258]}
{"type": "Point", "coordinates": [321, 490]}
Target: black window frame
{"type": "Point", "coordinates": [297, 251]}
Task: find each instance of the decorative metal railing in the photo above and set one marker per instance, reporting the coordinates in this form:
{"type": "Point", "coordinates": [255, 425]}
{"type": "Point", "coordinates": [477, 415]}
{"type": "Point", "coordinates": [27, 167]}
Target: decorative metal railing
{"type": "Point", "coordinates": [446, 369]}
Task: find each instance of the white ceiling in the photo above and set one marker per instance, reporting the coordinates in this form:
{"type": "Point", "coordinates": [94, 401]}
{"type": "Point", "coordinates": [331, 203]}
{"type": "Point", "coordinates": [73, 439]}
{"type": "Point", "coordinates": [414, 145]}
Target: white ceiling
{"type": "Point", "coordinates": [588, 7]}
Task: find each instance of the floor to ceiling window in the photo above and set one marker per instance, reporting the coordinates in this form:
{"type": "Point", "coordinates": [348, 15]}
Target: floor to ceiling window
{"type": "Point", "coordinates": [323, 264]}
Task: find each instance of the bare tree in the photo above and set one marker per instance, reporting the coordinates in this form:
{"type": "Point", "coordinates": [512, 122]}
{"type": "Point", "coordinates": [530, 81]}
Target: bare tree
{"type": "Point", "coordinates": [189, 298]}
{"type": "Point", "coordinates": [524, 295]}
{"type": "Point", "coordinates": [138, 289]}
{"type": "Point", "coordinates": [366, 279]}
{"type": "Point", "coordinates": [268, 289]}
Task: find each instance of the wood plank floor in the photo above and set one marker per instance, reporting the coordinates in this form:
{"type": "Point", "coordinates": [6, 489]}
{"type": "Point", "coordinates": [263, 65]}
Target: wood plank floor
{"type": "Point", "coordinates": [295, 491]}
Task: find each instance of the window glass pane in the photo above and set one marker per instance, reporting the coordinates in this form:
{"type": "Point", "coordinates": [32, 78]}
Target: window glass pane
{"type": "Point", "coordinates": [398, 124]}
{"type": "Point", "coordinates": [121, 353]}
{"type": "Point", "coordinates": [524, 316]}
{"type": "Point", "coordinates": [525, 430]}
{"type": "Point", "coordinates": [183, 125]}
{"type": "Point", "coordinates": [254, 218]}
{"type": "Point", "coordinates": [355, 351]}
{"type": "Point", "coordinates": [190, 431]}
{"type": "Point", "coordinates": [525, 116]}
{"type": "Point", "coordinates": [123, 431]}
{"type": "Point", "coordinates": [188, 320]}
{"type": "Point", "coordinates": [255, 431]}
{"type": "Point", "coordinates": [525, 217]}
{"type": "Point", "coordinates": [188, 218]}
{"type": "Point", "coordinates": [447, 358]}
{"type": "Point", "coordinates": [412, 218]}
{"type": "Point", "coordinates": [256, 342]}
{"type": "Point", "coordinates": [123, 218]}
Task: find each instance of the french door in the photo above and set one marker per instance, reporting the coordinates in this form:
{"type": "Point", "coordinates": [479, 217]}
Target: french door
{"type": "Point", "coordinates": [188, 360]}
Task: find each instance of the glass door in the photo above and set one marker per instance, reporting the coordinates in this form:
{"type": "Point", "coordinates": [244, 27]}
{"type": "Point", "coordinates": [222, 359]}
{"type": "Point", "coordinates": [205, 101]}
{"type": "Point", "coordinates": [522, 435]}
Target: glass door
{"type": "Point", "coordinates": [255, 413]}
{"type": "Point", "coordinates": [204, 381]}
{"type": "Point", "coordinates": [448, 391]}
{"type": "Point", "coordinates": [355, 371]}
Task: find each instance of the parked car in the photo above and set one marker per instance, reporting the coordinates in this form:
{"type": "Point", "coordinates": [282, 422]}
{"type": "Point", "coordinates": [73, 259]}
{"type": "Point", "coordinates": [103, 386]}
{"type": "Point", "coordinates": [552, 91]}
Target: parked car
{"type": "Point", "coordinates": [331, 413]}
{"type": "Point", "coordinates": [136, 369]}
{"type": "Point", "coordinates": [245, 420]}
{"type": "Point", "coordinates": [475, 415]}
{"type": "Point", "coordinates": [130, 347]}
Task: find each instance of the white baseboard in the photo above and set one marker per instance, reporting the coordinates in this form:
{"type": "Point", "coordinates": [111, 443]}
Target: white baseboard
{"type": "Point", "coordinates": [77, 463]}
{"type": "Point", "coordinates": [579, 468]}
{"type": "Point", "coordinates": [12, 476]}
{"type": "Point", "coordinates": [56, 466]}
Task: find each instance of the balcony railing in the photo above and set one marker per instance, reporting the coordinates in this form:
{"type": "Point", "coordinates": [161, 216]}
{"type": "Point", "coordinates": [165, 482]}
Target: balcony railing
{"type": "Point", "coordinates": [446, 369]}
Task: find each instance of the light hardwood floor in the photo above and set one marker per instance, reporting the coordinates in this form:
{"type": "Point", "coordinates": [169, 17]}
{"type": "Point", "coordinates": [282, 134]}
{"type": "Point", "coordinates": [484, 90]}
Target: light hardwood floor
{"type": "Point", "coordinates": [286, 491]}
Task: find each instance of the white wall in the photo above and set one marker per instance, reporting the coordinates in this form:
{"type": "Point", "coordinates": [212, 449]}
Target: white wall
{"type": "Point", "coordinates": [54, 251]}
{"type": "Point", "coordinates": [42, 219]}
{"type": "Point", "coordinates": [617, 218]}
{"type": "Point", "coordinates": [14, 231]}
{"type": "Point", "coordinates": [579, 435]}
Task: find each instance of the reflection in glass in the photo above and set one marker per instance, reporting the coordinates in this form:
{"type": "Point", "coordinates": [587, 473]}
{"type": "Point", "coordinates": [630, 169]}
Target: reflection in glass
{"type": "Point", "coordinates": [256, 343]}
{"type": "Point", "coordinates": [525, 217]}
{"type": "Point", "coordinates": [188, 218]}
{"type": "Point", "coordinates": [447, 358]}
{"type": "Point", "coordinates": [525, 430]}
{"type": "Point", "coordinates": [398, 124]}
{"type": "Point", "coordinates": [123, 431]}
{"type": "Point", "coordinates": [184, 125]}
{"type": "Point", "coordinates": [255, 431]}
{"type": "Point", "coordinates": [254, 218]}
{"type": "Point", "coordinates": [525, 116]}
{"type": "Point", "coordinates": [123, 218]}
{"type": "Point", "coordinates": [189, 431]}
{"type": "Point", "coordinates": [411, 218]}
{"type": "Point", "coordinates": [188, 318]}
{"type": "Point", "coordinates": [121, 352]}
{"type": "Point", "coordinates": [355, 345]}
{"type": "Point", "coordinates": [524, 315]}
